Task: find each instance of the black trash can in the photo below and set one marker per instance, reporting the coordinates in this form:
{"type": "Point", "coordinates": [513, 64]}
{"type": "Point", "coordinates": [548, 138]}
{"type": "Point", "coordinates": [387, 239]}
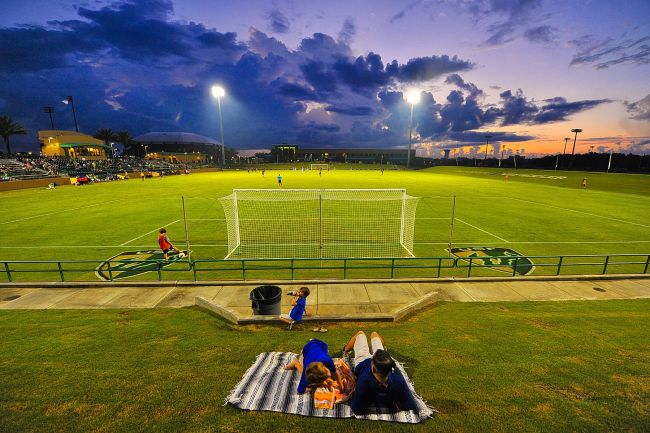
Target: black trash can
{"type": "Point", "coordinates": [266, 300]}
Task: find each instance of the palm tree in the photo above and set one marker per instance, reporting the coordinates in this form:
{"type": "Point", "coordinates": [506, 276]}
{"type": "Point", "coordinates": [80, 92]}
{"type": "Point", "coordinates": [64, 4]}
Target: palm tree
{"type": "Point", "coordinates": [9, 127]}
{"type": "Point", "coordinates": [127, 141]}
{"type": "Point", "coordinates": [106, 135]}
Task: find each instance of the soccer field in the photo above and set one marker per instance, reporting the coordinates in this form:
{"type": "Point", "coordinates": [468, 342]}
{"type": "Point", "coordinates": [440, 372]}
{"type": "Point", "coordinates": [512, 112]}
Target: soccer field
{"type": "Point", "coordinates": [532, 212]}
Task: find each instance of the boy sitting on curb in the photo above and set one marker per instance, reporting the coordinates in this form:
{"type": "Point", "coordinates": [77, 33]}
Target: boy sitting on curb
{"type": "Point", "coordinates": [299, 303]}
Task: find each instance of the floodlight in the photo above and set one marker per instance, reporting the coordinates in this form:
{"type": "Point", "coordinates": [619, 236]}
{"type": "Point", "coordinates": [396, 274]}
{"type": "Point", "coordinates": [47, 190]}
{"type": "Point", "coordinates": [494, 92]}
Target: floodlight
{"type": "Point", "coordinates": [218, 91]}
{"type": "Point", "coordinates": [413, 96]}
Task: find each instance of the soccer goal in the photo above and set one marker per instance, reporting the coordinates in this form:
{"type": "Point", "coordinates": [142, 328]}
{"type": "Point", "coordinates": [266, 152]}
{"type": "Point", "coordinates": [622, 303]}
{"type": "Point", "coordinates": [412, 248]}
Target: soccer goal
{"type": "Point", "coordinates": [319, 223]}
{"type": "Point", "coordinates": [319, 166]}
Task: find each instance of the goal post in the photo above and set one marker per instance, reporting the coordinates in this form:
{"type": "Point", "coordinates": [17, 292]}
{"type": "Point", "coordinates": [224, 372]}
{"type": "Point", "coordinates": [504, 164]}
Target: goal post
{"type": "Point", "coordinates": [319, 166]}
{"type": "Point", "coordinates": [319, 223]}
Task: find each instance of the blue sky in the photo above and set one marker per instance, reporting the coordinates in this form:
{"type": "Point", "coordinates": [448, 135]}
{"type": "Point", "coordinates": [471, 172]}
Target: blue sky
{"type": "Point", "coordinates": [333, 73]}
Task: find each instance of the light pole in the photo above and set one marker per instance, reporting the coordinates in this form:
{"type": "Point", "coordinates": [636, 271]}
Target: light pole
{"type": "Point", "coordinates": [575, 137]}
{"type": "Point", "coordinates": [503, 149]}
{"type": "Point", "coordinates": [487, 142]}
{"type": "Point", "coordinates": [218, 92]}
{"type": "Point", "coordinates": [50, 111]}
{"type": "Point", "coordinates": [70, 100]}
{"type": "Point", "coordinates": [412, 97]}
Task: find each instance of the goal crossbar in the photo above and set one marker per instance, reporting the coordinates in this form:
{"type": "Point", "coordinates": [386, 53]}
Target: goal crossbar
{"type": "Point", "coordinates": [319, 223]}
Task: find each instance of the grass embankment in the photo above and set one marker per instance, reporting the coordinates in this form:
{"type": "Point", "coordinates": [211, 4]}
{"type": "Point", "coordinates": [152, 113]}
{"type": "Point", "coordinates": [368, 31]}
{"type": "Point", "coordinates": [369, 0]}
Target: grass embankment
{"type": "Point", "coordinates": [510, 367]}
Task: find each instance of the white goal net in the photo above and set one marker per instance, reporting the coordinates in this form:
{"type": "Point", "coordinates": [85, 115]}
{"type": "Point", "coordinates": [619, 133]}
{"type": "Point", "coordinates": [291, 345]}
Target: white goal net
{"type": "Point", "coordinates": [319, 166]}
{"type": "Point", "coordinates": [312, 223]}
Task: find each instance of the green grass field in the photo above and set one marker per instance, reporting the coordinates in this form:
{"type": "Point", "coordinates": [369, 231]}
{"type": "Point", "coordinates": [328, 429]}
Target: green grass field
{"type": "Point", "coordinates": [507, 367]}
{"type": "Point", "coordinates": [532, 215]}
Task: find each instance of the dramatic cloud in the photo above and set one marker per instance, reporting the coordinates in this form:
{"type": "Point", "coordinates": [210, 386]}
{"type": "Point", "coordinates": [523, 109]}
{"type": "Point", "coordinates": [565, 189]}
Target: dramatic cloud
{"type": "Point", "coordinates": [131, 66]}
{"type": "Point", "coordinates": [639, 110]}
{"type": "Point", "coordinates": [278, 22]}
{"type": "Point", "coordinates": [518, 109]}
{"type": "Point", "coordinates": [603, 53]}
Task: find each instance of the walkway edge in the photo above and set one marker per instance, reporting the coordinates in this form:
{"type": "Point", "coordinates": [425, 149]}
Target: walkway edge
{"type": "Point", "coordinates": [182, 283]}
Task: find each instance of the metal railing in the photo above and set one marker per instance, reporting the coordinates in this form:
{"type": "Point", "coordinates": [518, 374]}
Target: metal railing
{"type": "Point", "coordinates": [335, 268]}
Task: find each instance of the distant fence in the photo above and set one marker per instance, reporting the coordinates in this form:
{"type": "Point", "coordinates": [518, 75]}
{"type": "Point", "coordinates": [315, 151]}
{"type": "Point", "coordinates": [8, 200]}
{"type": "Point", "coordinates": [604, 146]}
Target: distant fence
{"type": "Point", "coordinates": [316, 269]}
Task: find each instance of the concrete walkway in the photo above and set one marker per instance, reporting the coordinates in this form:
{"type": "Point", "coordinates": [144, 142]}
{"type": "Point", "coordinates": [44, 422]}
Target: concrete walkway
{"type": "Point", "coordinates": [347, 300]}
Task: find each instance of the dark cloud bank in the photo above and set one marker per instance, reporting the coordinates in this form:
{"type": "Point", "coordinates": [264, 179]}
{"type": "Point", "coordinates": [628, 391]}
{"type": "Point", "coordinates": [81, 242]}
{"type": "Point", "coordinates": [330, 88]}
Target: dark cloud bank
{"type": "Point", "coordinates": [132, 67]}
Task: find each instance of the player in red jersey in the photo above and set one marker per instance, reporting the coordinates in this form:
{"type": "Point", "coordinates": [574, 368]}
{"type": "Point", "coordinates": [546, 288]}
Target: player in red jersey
{"type": "Point", "coordinates": [164, 242]}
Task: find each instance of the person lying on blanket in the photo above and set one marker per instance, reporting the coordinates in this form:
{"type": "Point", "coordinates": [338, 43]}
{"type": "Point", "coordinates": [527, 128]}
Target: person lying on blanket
{"type": "Point", "coordinates": [329, 394]}
{"type": "Point", "coordinates": [319, 366]}
{"type": "Point", "coordinates": [379, 382]}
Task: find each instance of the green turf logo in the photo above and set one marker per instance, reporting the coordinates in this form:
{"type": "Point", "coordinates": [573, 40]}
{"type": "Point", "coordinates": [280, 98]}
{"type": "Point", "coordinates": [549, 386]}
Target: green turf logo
{"type": "Point", "coordinates": [499, 259]}
{"type": "Point", "coordinates": [131, 263]}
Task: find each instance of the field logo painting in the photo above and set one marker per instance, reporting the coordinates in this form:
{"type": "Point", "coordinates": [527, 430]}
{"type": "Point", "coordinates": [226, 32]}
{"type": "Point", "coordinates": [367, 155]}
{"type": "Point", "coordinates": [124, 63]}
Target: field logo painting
{"type": "Point", "coordinates": [129, 264]}
{"type": "Point", "coordinates": [499, 259]}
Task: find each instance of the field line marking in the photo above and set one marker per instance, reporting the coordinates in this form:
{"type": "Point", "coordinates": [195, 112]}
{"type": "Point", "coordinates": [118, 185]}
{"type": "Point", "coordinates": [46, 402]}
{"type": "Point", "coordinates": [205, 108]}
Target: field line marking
{"type": "Point", "coordinates": [417, 243]}
{"type": "Point", "coordinates": [148, 233]}
{"type": "Point", "coordinates": [60, 211]}
{"type": "Point", "coordinates": [484, 231]}
{"type": "Point", "coordinates": [580, 211]}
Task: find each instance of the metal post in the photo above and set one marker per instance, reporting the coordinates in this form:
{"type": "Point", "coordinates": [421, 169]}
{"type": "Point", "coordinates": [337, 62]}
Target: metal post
{"type": "Point", "coordinates": [575, 138]}
{"type": "Point", "coordinates": [292, 269]}
{"type": "Point", "coordinates": [451, 227]}
{"type": "Point", "coordinates": [74, 113]}
{"type": "Point", "coordinates": [514, 268]}
{"type": "Point", "coordinates": [605, 265]}
{"type": "Point", "coordinates": [645, 269]}
{"type": "Point", "coordinates": [50, 110]}
{"type": "Point", "coordinates": [320, 225]}
{"type": "Point", "coordinates": [61, 272]}
{"type": "Point", "coordinates": [408, 155]}
{"type": "Point", "coordinates": [10, 280]}
{"type": "Point", "coordinates": [559, 265]}
{"type": "Point", "coordinates": [392, 267]}
{"type": "Point", "coordinates": [345, 268]}
{"type": "Point", "coordinates": [223, 145]}
{"type": "Point", "coordinates": [187, 236]}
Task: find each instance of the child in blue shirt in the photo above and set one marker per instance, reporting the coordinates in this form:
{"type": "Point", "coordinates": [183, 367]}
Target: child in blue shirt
{"type": "Point", "coordinates": [318, 366]}
{"type": "Point", "coordinates": [299, 303]}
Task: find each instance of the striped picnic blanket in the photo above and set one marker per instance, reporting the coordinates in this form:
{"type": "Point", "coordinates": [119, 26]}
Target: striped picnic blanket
{"type": "Point", "coordinates": [267, 386]}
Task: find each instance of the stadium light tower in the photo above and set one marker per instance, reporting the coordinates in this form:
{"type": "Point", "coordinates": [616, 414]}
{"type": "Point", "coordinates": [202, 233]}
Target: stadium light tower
{"type": "Point", "coordinates": [412, 97]}
{"type": "Point", "coordinates": [575, 137]}
{"type": "Point", "coordinates": [566, 140]}
{"type": "Point", "coordinates": [218, 92]}
{"type": "Point", "coordinates": [50, 110]}
{"type": "Point", "coordinates": [487, 142]}
{"type": "Point", "coordinates": [70, 101]}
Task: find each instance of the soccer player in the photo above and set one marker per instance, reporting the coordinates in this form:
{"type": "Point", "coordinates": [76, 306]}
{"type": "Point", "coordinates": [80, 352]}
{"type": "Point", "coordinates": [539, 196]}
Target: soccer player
{"type": "Point", "coordinates": [165, 244]}
{"type": "Point", "coordinates": [280, 180]}
{"type": "Point", "coordinates": [584, 183]}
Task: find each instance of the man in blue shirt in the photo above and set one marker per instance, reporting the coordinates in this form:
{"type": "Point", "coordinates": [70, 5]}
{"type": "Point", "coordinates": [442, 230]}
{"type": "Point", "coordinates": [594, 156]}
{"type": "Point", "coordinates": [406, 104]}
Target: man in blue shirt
{"type": "Point", "coordinates": [379, 383]}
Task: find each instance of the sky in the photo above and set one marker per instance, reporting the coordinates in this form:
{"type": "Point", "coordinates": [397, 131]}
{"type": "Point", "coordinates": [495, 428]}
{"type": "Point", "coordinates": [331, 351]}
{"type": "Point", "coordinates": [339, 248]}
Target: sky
{"type": "Point", "coordinates": [336, 73]}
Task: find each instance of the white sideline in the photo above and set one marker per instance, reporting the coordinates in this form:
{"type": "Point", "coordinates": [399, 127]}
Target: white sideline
{"type": "Point", "coordinates": [60, 211]}
{"type": "Point", "coordinates": [484, 231]}
{"type": "Point", "coordinates": [148, 233]}
{"type": "Point", "coordinates": [579, 211]}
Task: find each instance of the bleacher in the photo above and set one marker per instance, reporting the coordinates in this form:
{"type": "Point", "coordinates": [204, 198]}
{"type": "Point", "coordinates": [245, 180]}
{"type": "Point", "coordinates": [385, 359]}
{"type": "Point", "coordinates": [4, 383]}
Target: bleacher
{"type": "Point", "coordinates": [39, 167]}
{"type": "Point", "coordinates": [12, 169]}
